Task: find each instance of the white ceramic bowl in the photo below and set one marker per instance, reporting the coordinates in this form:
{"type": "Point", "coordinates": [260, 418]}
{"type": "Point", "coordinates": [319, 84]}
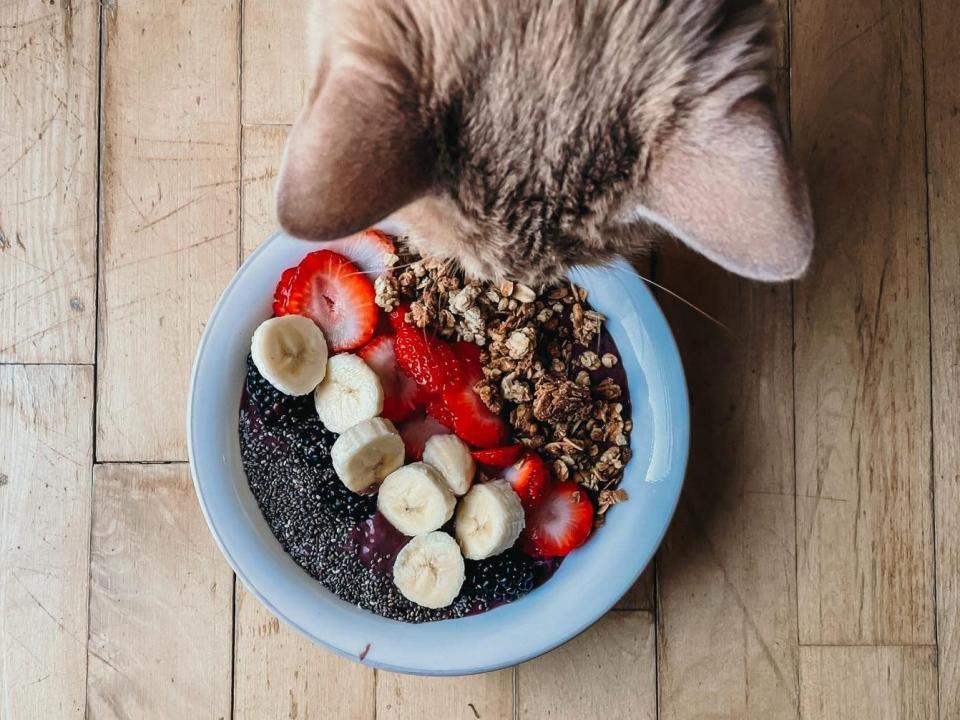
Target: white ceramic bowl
{"type": "Point", "coordinates": [588, 582]}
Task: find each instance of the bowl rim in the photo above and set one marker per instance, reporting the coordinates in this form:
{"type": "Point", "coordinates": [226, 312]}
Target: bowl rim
{"type": "Point", "coordinates": [679, 447]}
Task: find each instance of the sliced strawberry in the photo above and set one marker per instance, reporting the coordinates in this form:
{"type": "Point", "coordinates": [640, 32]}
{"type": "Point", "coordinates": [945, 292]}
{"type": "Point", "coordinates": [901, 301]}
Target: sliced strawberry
{"type": "Point", "coordinates": [331, 291]}
{"type": "Point", "coordinates": [398, 316]}
{"type": "Point", "coordinates": [499, 457]}
{"type": "Point", "coordinates": [401, 395]}
{"type": "Point", "coordinates": [530, 478]}
{"type": "Point", "coordinates": [472, 420]}
{"type": "Point", "coordinates": [282, 292]}
{"type": "Point", "coordinates": [426, 358]}
{"type": "Point", "coordinates": [367, 250]}
{"type": "Point", "coordinates": [562, 523]}
{"type": "Point", "coordinates": [469, 354]}
{"type": "Point", "coordinates": [439, 412]}
{"type": "Point", "coordinates": [415, 432]}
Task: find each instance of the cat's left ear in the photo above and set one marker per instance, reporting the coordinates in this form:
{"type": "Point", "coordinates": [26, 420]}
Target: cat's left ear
{"type": "Point", "coordinates": [356, 153]}
{"type": "Point", "coordinates": [722, 184]}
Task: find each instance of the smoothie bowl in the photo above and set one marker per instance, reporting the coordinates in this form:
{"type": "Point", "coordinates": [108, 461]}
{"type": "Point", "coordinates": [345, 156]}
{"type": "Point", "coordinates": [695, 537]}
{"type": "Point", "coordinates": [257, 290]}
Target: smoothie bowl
{"type": "Point", "coordinates": [428, 474]}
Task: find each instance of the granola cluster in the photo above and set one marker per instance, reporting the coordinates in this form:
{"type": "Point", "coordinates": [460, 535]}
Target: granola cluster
{"type": "Point", "coordinates": [539, 361]}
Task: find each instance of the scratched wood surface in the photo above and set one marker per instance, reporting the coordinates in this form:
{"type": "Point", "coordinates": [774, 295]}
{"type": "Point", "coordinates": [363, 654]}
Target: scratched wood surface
{"type": "Point", "coordinates": [813, 568]}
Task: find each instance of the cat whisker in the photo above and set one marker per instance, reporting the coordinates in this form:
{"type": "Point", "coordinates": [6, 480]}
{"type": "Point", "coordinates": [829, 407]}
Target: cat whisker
{"type": "Point", "coordinates": [682, 299]}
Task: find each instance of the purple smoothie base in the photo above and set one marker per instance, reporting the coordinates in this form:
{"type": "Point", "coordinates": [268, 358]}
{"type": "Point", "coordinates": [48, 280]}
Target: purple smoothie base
{"type": "Point", "coordinates": [338, 537]}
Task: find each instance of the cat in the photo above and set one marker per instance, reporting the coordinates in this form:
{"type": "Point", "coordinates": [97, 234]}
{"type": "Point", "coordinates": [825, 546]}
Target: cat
{"type": "Point", "coordinates": [521, 137]}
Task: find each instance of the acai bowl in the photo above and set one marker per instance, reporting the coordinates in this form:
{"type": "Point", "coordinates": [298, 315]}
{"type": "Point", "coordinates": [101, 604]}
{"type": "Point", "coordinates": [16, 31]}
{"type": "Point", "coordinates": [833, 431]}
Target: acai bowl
{"type": "Point", "coordinates": [563, 584]}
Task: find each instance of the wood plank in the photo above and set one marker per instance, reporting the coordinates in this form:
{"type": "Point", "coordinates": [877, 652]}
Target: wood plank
{"type": "Point", "coordinates": [607, 672]}
{"type": "Point", "coordinates": [262, 153]}
{"type": "Point", "coordinates": [880, 683]}
{"type": "Point", "coordinates": [640, 596]}
{"type": "Point", "coordinates": [407, 697]}
{"type": "Point", "coordinates": [941, 62]}
{"type": "Point", "coordinates": [727, 583]}
{"type": "Point", "coordinates": [160, 599]}
{"type": "Point", "coordinates": [276, 66]}
{"type": "Point", "coordinates": [48, 180]}
{"type": "Point", "coordinates": [170, 199]}
{"type": "Point", "coordinates": [46, 454]}
{"type": "Point", "coordinates": [278, 672]}
{"type": "Point", "coordinates": [865, 571]}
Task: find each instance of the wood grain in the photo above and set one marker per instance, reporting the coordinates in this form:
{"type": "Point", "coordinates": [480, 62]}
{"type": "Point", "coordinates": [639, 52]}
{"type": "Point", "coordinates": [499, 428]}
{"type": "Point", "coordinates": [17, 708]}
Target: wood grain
{"type": "Point", "coordinates": [48, 180]}
{"type": "Point", "coordinates": [880, 683]}
{"type": "Point", "coordinates": [46, 453]}
{"type": "Point", "coordinates": [276, 68]}
{"type": "Point", "coordinates": [407, 697]}
{"type": "Point", "coordinates": [727, 603]}
{"type": "Point", "coordinates": [941, 62]}
{"type": "Point", "coordinates": [262, 152]}
{"type": "Point", "coordinates": [170, 199]}
{"type": "Point", "coordinates": [281, 674]}
{"type": "Point", "coordinates": [160, 600]}
{"type": "Point", "coordinates": [607, 672]}
{"type": "Point", "coordinates": [865, 571]}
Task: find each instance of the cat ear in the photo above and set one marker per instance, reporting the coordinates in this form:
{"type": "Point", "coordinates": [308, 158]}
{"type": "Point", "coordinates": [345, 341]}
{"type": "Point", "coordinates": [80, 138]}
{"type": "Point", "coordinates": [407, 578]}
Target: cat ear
{"type": "Point", "coordinates": [356, 153]}
{"type": "Point", "coordinates": [723, 186]}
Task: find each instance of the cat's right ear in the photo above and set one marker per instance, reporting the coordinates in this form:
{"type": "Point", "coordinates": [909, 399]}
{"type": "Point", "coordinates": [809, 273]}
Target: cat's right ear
{"type": "Point", "coordinates": [357, 152]}
{"type": "Point", "coordinates": [722, 184]}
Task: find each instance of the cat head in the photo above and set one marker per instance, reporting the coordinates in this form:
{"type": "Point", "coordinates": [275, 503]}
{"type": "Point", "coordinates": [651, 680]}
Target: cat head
{"type": "Point", "coordinates": [523, 136]}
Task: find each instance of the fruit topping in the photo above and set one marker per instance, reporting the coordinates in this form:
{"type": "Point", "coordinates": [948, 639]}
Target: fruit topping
{"type": "Point", "coordinates": [415, 499]}
{"type": "Point", "coordinates": [330, 290]}
{"type": "Point", "coordinates": [489, 520]}
{"type": "Point", "coordinates": [473, 421]}
{"type": "Point", "coordinates": [451, 458]}
{"type": "Point", "coordinates": [530, 478]}
{"type": "Point", "coordinates": [366, 453]}
{"type": "Point", "coordinates": [498, 457]}
{"type": "Point", "coordinates": [502, 578]}
{"type": "Point", "coordinates": [291, 353]}
{"type": "Point", "coordinates": [427, 359]}
{"type": "Point", "coordinates": [350, 393]}
{"type": "Point", "coordinates": [401, 394]}
{"type": "Point", "coordinates": [562, 523]}
{"type": "Point", "coordinates": [372, 251]}
{"type": "Point", "coordinates": [429, 571]}
{"type": "Point", "coordinates": [416, 431]}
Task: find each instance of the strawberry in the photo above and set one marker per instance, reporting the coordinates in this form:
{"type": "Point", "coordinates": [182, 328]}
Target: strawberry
{"type": "Point", "coordinates": [469, 354]}
{"type": "Point", "coordinates": [401, 395]}
{"type": "Point", "coordinates": [427, 359]}
{"type": "Point", "coordinates": [437, 410]}
{"type": "Point", "coordinates": [530, 478]}
{"type": "Point", "coordinates": [398, 316]}
{"type": "Point", "coordinates": [562, 523]}
{"type": "Point", "coordinates": [473, 422]}
{"type": "Point", "coordinates": [415, 432]}
{"type": "Point", "coordinates": [331, 291]}
{"type": "Point", "coordinates": [367, 250]}
{"type": "Point", "coordinates": [499, 457]}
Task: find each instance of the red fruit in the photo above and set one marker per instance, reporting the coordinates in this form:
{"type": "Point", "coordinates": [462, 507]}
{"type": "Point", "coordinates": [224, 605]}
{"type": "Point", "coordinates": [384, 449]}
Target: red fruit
{"type": "Point", "coordinates": [499, 457]}
{"type": "Point", "coordinates": [439, 412]}
{"type": "Point", "coordinates": [398, 316]}
{"type": "Point", "coordinates": [331, 291]}
{"type": "Point", "coordinates": [469, 354]}
{"type": "Point", "coordinates": [367, 250]}
{"type": "Point", "coordinates": [401, 395]}
{"type": "Point", "coordinates": [472, 420]}
{"type": "Point", "coordinates": [415, 432]}
{"type": "Point", "coordinates": [530, 478]}
{"type": "Point", "coordinates": [427, 359]}
{"type": "Point", "coordinates": [562, 523]}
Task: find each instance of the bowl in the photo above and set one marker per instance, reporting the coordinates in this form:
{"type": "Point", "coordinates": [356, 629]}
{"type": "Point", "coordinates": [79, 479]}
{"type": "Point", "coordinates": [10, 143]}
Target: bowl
{"type": "Point", "coordinates": [587, 584]}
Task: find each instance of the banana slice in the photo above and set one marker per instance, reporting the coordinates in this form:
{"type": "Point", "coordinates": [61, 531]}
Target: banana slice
{"type": "Point", "coordinates": [350, 393]}
{"type": "Point", "coordinates": [452, 459]}
{"type": "Point", "coordinates": [489, 520]}
{"type": "Point", "coordinates": [415, 499]}
{"type": "Point", "coordinates": [429, 570]}
{"type": "Point", "coordinates": [291, 353]}
{"type": "Point", "coordinates": [366, 453]}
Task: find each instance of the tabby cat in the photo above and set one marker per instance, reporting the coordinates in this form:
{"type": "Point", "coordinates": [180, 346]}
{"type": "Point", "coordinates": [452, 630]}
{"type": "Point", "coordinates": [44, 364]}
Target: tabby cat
{"type": "Point", "coordinates": [523, 136]}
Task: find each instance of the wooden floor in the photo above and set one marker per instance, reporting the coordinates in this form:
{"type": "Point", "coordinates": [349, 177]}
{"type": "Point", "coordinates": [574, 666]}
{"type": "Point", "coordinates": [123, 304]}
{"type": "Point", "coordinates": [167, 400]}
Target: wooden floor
{"type": "Point", "coordinates": [813, 567]}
